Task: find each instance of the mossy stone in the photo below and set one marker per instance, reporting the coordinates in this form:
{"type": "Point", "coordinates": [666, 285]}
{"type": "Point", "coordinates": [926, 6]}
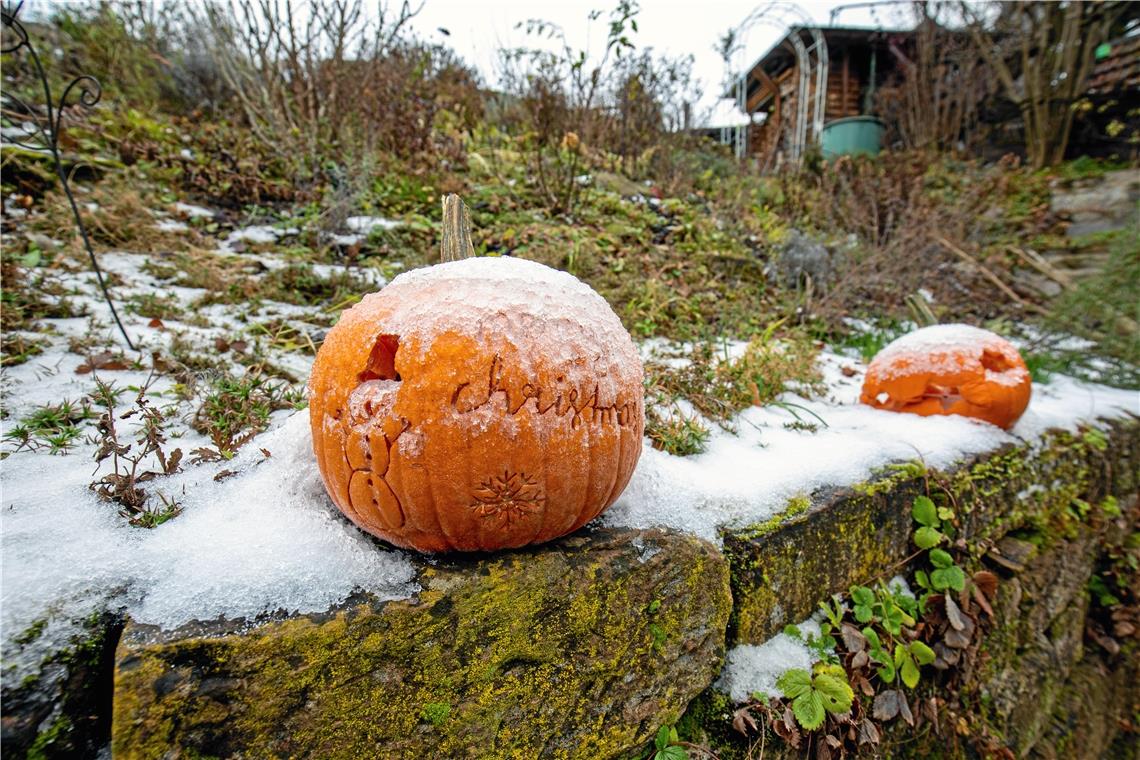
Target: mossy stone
{"type": "Point", "coordinates": [550, 652]}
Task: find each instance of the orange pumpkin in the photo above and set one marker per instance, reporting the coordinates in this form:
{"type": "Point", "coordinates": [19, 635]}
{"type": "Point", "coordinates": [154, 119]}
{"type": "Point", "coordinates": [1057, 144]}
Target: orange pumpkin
{"type": "Point", "coordinates": [478, 404]}
{"type": "Point", "coordinates": [950, 369]}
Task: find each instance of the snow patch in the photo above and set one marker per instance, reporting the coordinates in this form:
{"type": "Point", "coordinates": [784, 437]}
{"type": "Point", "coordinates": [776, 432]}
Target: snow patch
{"type": "Point", "coordinates": [748, 476]}
{"type": "Point", "coordinates": [751, 668]}
{"type": "Point", "coordinates": [193, 211]}
{"type": "Point", "coordinates": [365, 224]}
{"type": "Point", "coordinates": [264, 540]}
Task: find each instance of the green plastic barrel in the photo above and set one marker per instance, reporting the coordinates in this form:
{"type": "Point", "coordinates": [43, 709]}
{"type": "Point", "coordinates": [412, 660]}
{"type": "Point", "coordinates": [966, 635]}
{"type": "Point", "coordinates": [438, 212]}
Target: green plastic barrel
{"type": "Point", "coordinates": [852, 136]}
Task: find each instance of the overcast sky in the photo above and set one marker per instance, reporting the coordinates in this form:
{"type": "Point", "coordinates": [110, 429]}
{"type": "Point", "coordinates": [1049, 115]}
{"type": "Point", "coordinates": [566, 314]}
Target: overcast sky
{"type": "Point", "coordinates": [676, 27]}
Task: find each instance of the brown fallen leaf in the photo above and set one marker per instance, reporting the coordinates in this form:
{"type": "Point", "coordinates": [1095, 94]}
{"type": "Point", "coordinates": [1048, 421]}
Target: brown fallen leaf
{"type": "Point", "coordinates": [105, 360]}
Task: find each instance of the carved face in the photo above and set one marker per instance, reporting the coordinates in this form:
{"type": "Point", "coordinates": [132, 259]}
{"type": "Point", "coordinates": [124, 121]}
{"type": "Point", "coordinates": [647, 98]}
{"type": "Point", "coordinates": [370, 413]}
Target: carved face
{"type": "Point", "coordinates": [950, 369]}
{"type": "Point", "coordinates": [476, 405]}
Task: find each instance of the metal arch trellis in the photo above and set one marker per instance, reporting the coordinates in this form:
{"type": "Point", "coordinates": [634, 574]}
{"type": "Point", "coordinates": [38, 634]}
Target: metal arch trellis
{"type": "Point", "coordinates": [811, 62]}
{"type": "Point", "coordinates": [47, 129]}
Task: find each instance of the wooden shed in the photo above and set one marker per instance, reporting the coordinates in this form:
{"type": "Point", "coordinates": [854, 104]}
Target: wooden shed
{"type": "Point", "coordinates": [812, 76]}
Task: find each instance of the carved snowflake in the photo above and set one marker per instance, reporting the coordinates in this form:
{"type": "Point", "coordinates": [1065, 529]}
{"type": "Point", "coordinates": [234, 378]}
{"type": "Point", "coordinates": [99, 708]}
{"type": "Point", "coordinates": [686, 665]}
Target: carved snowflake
{"type": "Point", "coordinates": [509, 497]}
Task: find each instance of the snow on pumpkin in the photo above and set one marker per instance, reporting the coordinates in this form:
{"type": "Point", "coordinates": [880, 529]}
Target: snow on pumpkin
{"type": "Point", "coordinates": [479, 404]}
{"type": "Point", "coordinates": [950, 369]}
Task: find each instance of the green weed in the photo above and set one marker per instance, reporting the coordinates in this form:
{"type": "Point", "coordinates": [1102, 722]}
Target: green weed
{"type": "Point", "coordinates": [55, 427]}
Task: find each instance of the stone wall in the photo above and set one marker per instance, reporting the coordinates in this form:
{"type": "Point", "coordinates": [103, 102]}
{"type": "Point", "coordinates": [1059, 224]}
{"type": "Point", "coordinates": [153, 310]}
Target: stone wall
{"type": "Point", "coordinates": [583, 648]}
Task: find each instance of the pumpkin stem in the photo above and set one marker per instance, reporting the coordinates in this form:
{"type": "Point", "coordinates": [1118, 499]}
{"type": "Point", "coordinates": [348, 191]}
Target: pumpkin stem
{"type": "Point", "coordinates": [456, 243]}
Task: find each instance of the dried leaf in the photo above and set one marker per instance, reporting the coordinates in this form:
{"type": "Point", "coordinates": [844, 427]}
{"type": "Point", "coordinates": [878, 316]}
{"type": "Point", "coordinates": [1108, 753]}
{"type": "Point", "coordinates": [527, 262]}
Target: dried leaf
{"type": "Point", "coordinates": [954, 614]}
{"type": "Point", "coordinates": [853, 638]}
{"type": "Point", "coordinates": [859, 660]}
{"type": "Point", "coordinates": [822, 751]}
{"type": "Point", "coordinates": [932, 713]}
{"type": "Point", "coordinates": [945, 657]}
{"type": "Point", "coordinates": [956, 639]}
{"type": "Point", "coordinates": [848, 371]}
{"type": "Point", "coordinates": [886, 705]}
{"type": "Point", "coordinates": [864, 686]}
{"type": "Point", "coordinates": [786, 729]}
{"type": "Point", "coordinates": [221, 345]}
{"type": "Point", "coordinates": [105, 360]}
{"type": "Point", "coordinates": [223, 475]}
{"type": "Point", "coordinates": [980, 598]}
{"type": "Point", "coordinates": [156, 323]}
{"type": "Point", "coordinates": [904, 709]}
{"type": "Point", "coordinates": [204, 455]}
{"type": "Point", "coordinates": [833, 741]}
{"type": "Point", "coordinates": [868, 733]}
{"type": "Point", "coordinates": [986, 583]}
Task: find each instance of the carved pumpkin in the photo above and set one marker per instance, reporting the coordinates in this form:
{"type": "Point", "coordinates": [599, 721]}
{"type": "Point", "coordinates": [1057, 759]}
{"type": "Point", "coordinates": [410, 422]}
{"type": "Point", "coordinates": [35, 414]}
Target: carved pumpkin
{"type": "Point", "coordinates": [950, 369]}
{"type": "Point", "coordinates": [478, 404]}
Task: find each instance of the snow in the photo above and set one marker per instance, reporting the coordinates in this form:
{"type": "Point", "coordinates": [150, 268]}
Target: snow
{"type": "Point", "coordinates": [269, 538]}
{"type": "Point", "coordinates": [171, 225]}
{"type": "Point", "coordinates": [264, 540]}
{"type": "Point", "coordinates": [517, 300]}
{"type": "Point", "coordinates": [748, 476]}
{"type": "Point", "coordinates": [193, 211]}
{"type": "Point", "coordinates": [751, 668]}
{"type": "Point", "coordinates": [365, 224]}
{"type": "Point", "coordinates": [255, 234]}
{"type": "Point", "coordinates": [346, 240]}
{"type": "Point", "coordinates": [725, 113]}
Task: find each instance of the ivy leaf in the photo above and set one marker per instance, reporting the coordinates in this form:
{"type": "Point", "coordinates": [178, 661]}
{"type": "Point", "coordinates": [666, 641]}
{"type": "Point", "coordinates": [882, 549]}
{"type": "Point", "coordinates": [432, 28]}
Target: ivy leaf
{"type": "Point", "coordinates": [948, 578]}
{"type": "Point", "coordinates": [922, 579]}
{"type": "Point", "coordinates": [794, 683]}
{"type": "Point", "coordinates": [835, 693]}
{"type": "Point", "coordinates": [941, 558]}
{"type": "Point", "coordinates": [927, 537]}
{"type": "Point", "coordinates": [887, 670]}
{"type": "Point", "coordinates": [923, 654]}
{"type": "Point", "coordinates": [809, 710]}
{"type": "Point", "coordinates": [924, 512]}
{"type": "Point", "coordinates": [909, 672]}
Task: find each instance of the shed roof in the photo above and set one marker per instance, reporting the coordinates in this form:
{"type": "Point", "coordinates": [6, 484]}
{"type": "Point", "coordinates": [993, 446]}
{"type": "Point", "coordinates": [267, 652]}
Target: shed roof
{"type": "Point", "coordinates": [780, 55]}
{"type": "Point", "coordinates": [1120, 69]}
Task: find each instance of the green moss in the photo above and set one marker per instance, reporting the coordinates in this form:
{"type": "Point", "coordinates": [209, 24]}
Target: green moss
{"type": "Point", "coordinates": [32, 632]}
{"type": "Point", "coordinates": [781, 571]}
{"type": "Point", "coordinates": [482, 639]}
{"type": "Point", "coordinates": [56, 734]}
{"type": "Point", "coordinates": [797, 505]}
{"type": "Point", "coordinates": [436, 713]}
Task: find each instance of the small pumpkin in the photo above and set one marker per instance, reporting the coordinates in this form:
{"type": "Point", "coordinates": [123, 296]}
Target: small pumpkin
{"type": "Point", "coordinates": [478, 404]}
{"type": "Point", "coordinates": [950, 369]}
